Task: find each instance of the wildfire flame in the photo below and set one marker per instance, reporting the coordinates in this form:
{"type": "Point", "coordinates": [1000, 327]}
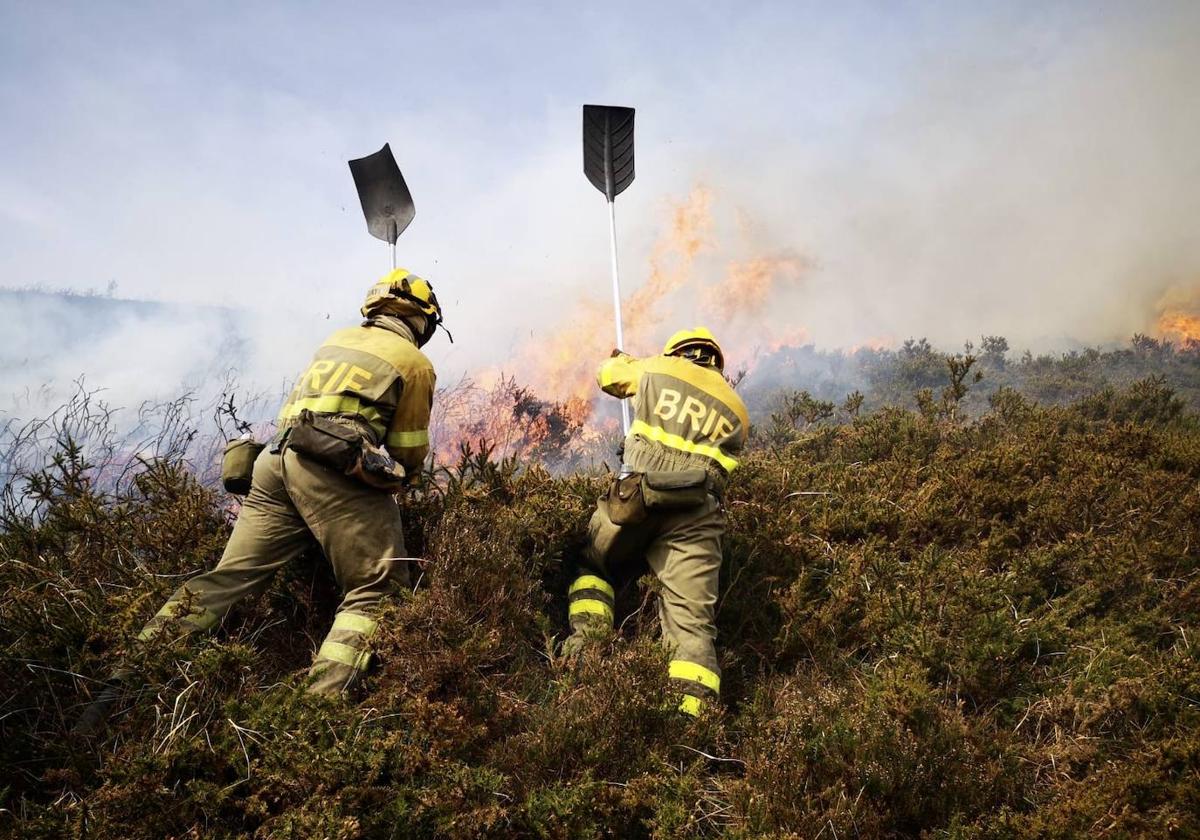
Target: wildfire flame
{"type": "Point", "coordinates": [1178, 316]}
{"type": "Point", "coordinates": [560, 367]}
{"type": "Point", "coordinates": [878, 343]}
{"type": "Point", "coordinates": [563, 365]}
{"type": "Point", "coordinates": [747, 285]}
{"type": "Point", "coordinates": [509, 417]}
{"type": "Point", "coordinates": [732, 303]}
{"type": "Point", "coordinates": [1180, 326]}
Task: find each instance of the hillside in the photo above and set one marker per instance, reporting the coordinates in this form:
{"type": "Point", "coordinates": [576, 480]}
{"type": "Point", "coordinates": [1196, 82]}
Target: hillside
{"type": "Point", "coordinates": [893, 375]}
{"type": "Point", "coordinates": [930, 627]}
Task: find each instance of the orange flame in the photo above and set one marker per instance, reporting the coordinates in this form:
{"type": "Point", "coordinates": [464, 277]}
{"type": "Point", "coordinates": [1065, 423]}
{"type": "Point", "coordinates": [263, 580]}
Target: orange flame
{"type": "Point", "coordinates": [878, 343]}
{"type": "Point", "coordinates": [1180, 326]}
{"type": "Point", "coordinates": [560, 368]}
{"type": "Point", "coordinates": [792, 338]}
{"type": "Point", "coordinates": [510, 418]}
{"type": "Point", "coordinates": [748, 285]}
{"type": "Point", "coordinates": [563, 365]}
{"type": "Point", "coordinates": [1179, 314]}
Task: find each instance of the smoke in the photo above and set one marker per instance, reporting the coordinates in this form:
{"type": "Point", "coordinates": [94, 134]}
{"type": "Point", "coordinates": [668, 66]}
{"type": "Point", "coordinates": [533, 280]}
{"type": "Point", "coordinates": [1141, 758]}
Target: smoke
{"type": "Point", "coordinates": [870, 174]}
{"type": "Point", "coordinates": [1027, 173]}
{"type": "Point", "coordinates": [129, 353]}
{"type": "Point", "coordinates": [562, 362]}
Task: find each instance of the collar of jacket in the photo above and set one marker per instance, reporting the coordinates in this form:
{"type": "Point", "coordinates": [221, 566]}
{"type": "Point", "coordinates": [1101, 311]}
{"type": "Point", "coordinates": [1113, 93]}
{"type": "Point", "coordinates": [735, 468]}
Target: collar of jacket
{"type": "Point", "coordinates": [392, 323]}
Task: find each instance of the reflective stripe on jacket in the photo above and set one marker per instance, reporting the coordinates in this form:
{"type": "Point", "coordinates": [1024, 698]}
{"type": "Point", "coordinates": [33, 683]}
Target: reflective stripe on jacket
{"type": "Point", "coordinates": [684, 415]}
{"type": "Point", "coordinates": [373, 374]}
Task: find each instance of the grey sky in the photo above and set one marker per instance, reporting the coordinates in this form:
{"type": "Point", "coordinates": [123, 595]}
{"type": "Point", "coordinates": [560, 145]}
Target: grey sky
{"type": "Point", "coordinates": [947, 169]}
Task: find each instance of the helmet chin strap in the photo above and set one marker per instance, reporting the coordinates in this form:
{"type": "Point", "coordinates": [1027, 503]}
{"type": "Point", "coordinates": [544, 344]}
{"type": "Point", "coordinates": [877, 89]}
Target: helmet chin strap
{"type": "Point", "coordinates": [428, 326]}
{"type": "Point", "coordinates": [419, 325]}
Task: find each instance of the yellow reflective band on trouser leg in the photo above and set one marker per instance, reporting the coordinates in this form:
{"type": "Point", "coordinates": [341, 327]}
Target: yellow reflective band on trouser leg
{"type": "Point", "coordinates": [681, 669]}
{"type": "Point", "coordinates": [355, 623]}
{"type": "Point", "coordinates": [690, 705]}
{"type": "Point", "coordinates": [346, 655]}
{"type": "Point", "coordinates": [590, 606]}
{"type": "Point", "coordinates": [199, 618]}
{"type": "Point", "coordinates": [591, 582]}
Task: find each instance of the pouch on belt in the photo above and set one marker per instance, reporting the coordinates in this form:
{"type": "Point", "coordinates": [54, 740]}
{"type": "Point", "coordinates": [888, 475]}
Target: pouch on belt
{"type": "Point", "coordinates": [625, 504]}
{"type": "Point", "coordinates": [674, 490]}
{"type": "Point", "coordinates": [325, 440]}
{"type": "Point", "coordinates": [237, 465]}
{"type": "Point", "coordinates": [343, 448]}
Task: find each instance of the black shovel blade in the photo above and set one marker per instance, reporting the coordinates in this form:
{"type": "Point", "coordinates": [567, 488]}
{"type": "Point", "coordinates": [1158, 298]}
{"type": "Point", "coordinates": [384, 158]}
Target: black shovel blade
{"type": "Point", "coordinates": [386, 201]}
{"type": "Point", "coordinates": [608, 148]}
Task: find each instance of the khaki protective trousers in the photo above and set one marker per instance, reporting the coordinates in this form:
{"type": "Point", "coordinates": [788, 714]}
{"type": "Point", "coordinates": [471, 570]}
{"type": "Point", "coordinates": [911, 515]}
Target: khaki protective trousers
{"type": "Point", "coordinates": [293, 502]}
{"type": "Point", "coordinates": [683, 549]}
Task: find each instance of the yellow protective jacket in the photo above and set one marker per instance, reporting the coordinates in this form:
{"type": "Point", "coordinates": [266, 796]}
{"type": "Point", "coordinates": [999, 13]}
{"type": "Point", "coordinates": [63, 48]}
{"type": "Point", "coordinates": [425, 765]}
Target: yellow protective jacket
{"type": "Point", "coordinates": [684, 415]}
{"type": "Point", "coordinates": [372, 374]}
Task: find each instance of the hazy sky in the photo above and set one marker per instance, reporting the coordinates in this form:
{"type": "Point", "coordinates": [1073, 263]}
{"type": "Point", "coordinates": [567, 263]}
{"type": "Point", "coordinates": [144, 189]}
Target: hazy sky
{"type": "Point", "coordinates": [943, 169]}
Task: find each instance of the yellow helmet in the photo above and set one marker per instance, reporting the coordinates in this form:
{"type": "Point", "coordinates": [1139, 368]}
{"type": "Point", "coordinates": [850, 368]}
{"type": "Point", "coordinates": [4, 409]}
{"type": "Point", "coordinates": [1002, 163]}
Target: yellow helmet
{"type": "Point", "coordinates": [697, 344]}
{"type": "Point", "coordinates": [404, 294]}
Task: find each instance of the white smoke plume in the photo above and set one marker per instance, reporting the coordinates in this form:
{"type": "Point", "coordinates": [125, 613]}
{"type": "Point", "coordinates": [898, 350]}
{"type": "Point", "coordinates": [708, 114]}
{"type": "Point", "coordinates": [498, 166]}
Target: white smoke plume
{"type": "Point", "coordinates": [1018, 169]}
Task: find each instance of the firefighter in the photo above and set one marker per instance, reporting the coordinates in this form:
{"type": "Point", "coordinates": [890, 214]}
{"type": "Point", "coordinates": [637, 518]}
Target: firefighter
{"type": "Point", "coordinates": [353, 431]}
{"type": "Point", "coordinates": [664, 507]}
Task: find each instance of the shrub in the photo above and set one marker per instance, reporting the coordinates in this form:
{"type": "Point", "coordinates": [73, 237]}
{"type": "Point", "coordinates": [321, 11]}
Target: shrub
{"type": "Point", "coordinates": [978, 628]}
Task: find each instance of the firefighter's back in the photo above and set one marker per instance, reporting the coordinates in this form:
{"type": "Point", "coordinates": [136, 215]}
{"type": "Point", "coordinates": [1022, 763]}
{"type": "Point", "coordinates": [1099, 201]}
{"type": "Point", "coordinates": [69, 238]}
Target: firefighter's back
{"type": "Point", "coordinates": [358, 373]}
{"type": "Point", "coordinates": [685, 416]}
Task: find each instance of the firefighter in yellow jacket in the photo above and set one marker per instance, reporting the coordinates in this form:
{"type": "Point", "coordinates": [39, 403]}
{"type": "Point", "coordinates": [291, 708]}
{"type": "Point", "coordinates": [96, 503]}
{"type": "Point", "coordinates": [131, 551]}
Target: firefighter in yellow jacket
{"type": "Point", "coordinates": [664, 508]}
{"type": "Point", "coordinates": [368, 390]}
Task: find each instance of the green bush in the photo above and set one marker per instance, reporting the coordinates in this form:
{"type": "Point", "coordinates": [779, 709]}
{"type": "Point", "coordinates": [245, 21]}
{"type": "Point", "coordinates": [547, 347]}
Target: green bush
{"type": "Point", "coordinates": [929, 628]}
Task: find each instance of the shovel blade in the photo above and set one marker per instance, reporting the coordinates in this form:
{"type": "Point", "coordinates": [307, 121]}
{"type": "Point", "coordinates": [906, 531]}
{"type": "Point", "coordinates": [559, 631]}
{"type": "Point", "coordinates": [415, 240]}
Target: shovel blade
{"type": "Point", "coordinates": [386, 202]}
{"type": "Point", "coordinates": [608, 148]}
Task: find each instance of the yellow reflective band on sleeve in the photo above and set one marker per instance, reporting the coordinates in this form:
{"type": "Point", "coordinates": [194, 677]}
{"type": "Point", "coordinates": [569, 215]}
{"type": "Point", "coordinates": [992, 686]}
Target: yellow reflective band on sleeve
{"type": "Point", "coordinates": [591, 582]}
{"type": "Point", "coordinates": [408, 440]}
{"type": "Point", "coordinates": [641, 427]}
{"type": "Point", "coordinates": [355, 623]}
{"type": "Point", "coordinates": [592, 606]}
{"type": "Point", "coordinates": [346, 655]}
{"type": "Point", "coordinates": [690, 705]}
{"type": "Point", "coordinates": [680, 669]}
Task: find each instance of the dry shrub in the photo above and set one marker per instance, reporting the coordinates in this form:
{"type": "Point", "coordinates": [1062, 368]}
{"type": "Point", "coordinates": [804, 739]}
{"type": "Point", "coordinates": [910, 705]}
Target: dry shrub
{"type": "Point", "coordinates": [929, 628]}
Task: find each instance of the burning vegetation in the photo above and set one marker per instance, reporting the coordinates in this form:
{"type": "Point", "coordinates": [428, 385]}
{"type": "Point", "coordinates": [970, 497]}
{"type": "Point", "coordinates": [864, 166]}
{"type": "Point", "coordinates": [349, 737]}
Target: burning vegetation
{"type": "Point", "coordinates": [1179, 316]}
{"type": "Point", "coordinates": [561, 367]}
{"type": "Point", "coordinates": [959, 599]}
{"type": "Point", "coordinates": [1183, 327]}
{"type": "Point", "coordinates": [934, 620]}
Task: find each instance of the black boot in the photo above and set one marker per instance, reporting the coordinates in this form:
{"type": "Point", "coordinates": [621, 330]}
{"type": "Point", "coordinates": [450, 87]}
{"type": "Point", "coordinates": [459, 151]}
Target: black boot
{"type": "Point", "coordinates": [94, 718]}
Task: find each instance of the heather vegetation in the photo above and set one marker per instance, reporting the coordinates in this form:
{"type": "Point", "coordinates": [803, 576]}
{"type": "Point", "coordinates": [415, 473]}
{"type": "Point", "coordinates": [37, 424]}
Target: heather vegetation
{"type": "Point", "coordinates": [896, 376]}
{"type": "Point", "coordinates": [938, 618]}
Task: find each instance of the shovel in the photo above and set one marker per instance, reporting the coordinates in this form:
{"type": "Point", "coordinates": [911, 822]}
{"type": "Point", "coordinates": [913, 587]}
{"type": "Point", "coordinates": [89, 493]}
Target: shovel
{"type": "Point", "coordinates": [386, 202]}
{"type": "Point", "coordinates": [608, 164]}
